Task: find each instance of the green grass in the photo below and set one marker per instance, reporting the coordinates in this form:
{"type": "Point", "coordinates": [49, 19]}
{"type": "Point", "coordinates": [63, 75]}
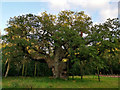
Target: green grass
{"type": "Point", "coordinates": [46, 82]}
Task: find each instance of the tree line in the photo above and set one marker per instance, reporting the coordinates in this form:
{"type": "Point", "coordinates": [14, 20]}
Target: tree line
{"type": "Point", "coordinates": [63, 45]}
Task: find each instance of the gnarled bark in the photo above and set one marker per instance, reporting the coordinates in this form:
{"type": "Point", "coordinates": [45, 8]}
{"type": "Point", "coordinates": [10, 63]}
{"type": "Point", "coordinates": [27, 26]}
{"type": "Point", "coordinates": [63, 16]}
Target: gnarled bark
{"type": "Point", "coordinates": [56, 63]}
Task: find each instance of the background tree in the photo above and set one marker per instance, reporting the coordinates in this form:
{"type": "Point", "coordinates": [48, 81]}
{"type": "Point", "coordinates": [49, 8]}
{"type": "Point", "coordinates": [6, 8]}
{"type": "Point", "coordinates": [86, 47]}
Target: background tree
{"type": "Point", "coordinates": [104, 37]}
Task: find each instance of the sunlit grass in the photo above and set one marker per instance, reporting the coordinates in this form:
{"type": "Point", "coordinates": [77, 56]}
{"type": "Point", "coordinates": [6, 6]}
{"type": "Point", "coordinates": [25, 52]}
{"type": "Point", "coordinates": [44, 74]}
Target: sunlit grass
{"type": "Point", "coordinates": [46, 82]}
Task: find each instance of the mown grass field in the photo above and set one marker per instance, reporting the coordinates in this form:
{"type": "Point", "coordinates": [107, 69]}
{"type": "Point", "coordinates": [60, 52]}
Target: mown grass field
{"type": "Point", "coordinates": [46, 82]}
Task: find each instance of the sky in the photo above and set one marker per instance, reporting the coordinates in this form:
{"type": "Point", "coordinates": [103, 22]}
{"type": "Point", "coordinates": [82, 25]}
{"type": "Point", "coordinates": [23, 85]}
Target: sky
{"type": "Point", "coordinates": [119, 10]}
{"type": "Point", "coordinates": [98, 10]}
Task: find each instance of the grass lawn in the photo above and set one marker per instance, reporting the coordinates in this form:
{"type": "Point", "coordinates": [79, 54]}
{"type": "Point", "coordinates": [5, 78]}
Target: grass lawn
{"type": "Point", "coordinates": [46, 82]}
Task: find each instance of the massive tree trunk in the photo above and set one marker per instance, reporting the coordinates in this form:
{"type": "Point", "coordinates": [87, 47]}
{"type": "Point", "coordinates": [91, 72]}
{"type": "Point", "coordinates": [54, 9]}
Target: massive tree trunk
{"type": "Point", "coordinates": [56, 63]}
{"type": "Point", "coordinates": [57, 66]}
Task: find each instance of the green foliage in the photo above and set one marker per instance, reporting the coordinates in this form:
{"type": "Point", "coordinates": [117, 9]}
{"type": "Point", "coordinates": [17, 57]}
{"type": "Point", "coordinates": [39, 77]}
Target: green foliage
{"type": "Point", "coordinates": [30, 37]}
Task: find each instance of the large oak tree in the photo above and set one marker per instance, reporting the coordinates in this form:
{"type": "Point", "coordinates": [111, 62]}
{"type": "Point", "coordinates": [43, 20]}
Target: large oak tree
{"type": "Point", "coordinates": [47, 37]}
